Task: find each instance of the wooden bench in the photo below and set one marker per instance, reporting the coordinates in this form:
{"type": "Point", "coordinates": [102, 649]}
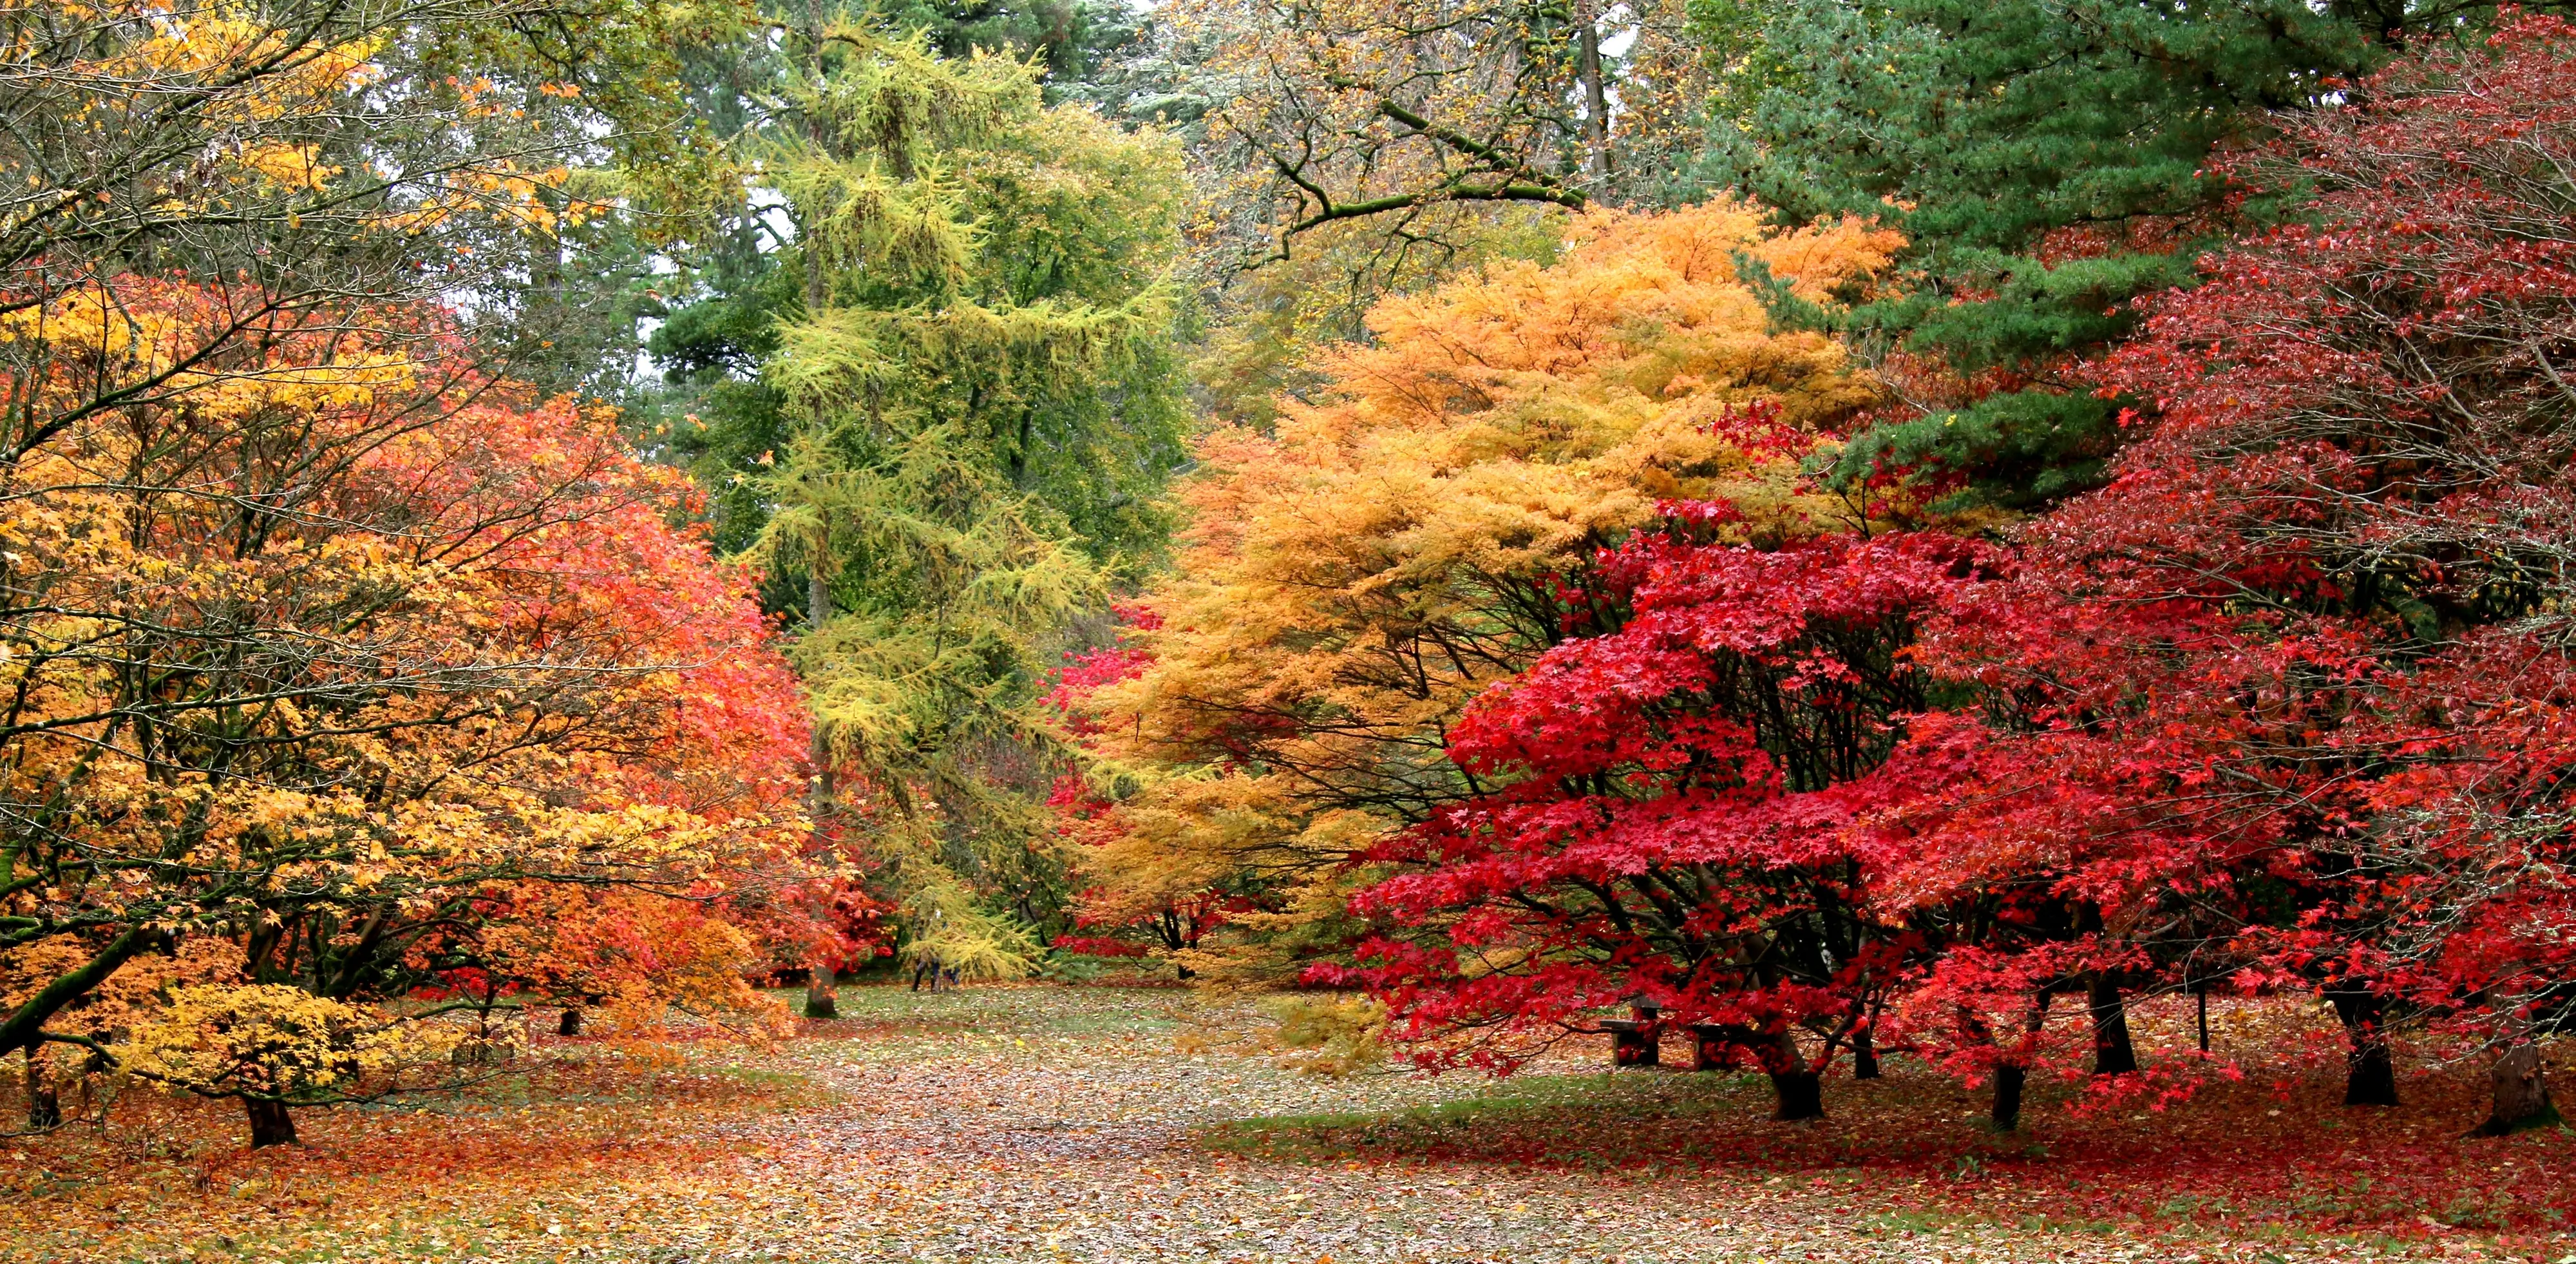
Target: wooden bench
{"type": "Point", "coordinates": [1710, 1049]}
{"type": "Point", "coordinates": [1637, 1041]}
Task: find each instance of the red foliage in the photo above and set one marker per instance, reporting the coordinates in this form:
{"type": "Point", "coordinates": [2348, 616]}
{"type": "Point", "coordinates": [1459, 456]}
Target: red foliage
{"type": "Point", "coordinates": [1672, 820]}
{"type": "Point", "coordinates": [606, 566]}
{"type": "Point", "coordinates": [2288, 704]}
{"type": "Point", "coordinates": [2290, 697]}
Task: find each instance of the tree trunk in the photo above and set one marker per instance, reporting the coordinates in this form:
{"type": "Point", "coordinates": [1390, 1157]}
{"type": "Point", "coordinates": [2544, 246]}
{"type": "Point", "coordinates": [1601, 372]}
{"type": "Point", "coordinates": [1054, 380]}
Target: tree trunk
{"type": "Point", "coordinates": [1596, 98]}
{"type": "Point", "coordinates": [2012, 1077]}
{"type": "Point", "coordinates": [818, 611]}
{"type": "Point", "coordinates": [2521, 1094]}
{"type": "Point", "coordinates": [2370, 1076]}
{"type": "Point", "coordinates": [1801, 1091]}
{"type": "Point", "coordinates": [1864, 1056]}
{"type": "Point", "coordinates": [1801, 1094]}
{"type": "Point", "coordinates": [2112, 1052]}
{"type": "Point", "coordinates": [270, 1123]}
{"type": "Point", "coordinates": [44, 1107]}
{"type": "Point", "coordinates": [819, 1001]}
{"type": "Point", "coordinates": [2006, 1115]}
{"type": "Point", "coordinates": [571, 1024]}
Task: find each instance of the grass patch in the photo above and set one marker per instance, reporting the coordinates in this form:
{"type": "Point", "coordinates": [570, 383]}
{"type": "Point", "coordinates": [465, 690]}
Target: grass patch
{"type": "Point", "coordinates": [1565, 1119]}
{"type": "Point", "coordinates": [885, 1011]}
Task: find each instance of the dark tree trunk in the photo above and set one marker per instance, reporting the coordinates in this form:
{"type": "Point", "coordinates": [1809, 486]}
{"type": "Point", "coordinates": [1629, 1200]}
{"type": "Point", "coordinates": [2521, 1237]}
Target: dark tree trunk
{"type": "Point", "coordinates": [1801, 1094]}
{"type": "Point", "coordinates": [2006, 1114]}
{"type": "Point", "coordinates": [819, 1000]}
{"type": "Point", "coordinates": [1864, 1056]}
{"type": "Point", "coordinates": [2012, 1077]}
{"type": "Point", "coordinates": [2112, 1052]}
{"type": "Point", "coordinates": [571, 1024]}
{"type": "Point", "coordinates": [44, 1107]}
{"type": "Point", "coordinates": [2521, 1094]}
{"type": "Point", "coordinates": [270, 1123]}
{"type": "Point", "coordinates": [2370, 1075]}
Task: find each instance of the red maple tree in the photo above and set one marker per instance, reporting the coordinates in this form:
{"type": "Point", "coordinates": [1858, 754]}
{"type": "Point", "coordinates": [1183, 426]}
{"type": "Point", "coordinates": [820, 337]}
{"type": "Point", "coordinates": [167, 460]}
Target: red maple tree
{"type": "Point", "coordinates": [1669, 815]}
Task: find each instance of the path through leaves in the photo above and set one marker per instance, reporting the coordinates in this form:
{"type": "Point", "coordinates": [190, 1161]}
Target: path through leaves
{"type": "Point", "coordinates": [1007, 1124]}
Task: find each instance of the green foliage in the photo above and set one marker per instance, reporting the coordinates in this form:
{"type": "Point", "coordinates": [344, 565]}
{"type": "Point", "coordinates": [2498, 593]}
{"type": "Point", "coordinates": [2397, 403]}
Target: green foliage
{"type": "Point", "coordinates": [2013, 448]}
{"type": "Point", "coordinates": [607, 85]}
{"type": "Point", "coordinates": [966, 409]}
{"type": "Point", "coordinates": [1996, 123]}
{"type": "Point", "coordinates": [984, 262]}
{"type": "Point", "coordinates": [949, 931]}
{"type": "Point", "coordinates": [715, 417]}
{"type": "Point", "coordinates": [2049, 162]}
{"type": "Point", "coordinates": [947, 591]}
{"type": "Point", "coordinates": [1075, 42]}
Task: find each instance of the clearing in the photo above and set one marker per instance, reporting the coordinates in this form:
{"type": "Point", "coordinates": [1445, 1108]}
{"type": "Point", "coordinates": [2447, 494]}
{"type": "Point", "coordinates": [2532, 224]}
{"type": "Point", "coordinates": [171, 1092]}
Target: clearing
{"type": "Point", "coordinates": [1066, 1124]}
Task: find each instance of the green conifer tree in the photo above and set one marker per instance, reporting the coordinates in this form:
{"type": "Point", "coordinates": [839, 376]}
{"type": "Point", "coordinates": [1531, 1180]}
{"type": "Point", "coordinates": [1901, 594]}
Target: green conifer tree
{"type": "Point", "coordinates": [977, 403]}
{"type": "Point", "coordinates": [2050, 161]}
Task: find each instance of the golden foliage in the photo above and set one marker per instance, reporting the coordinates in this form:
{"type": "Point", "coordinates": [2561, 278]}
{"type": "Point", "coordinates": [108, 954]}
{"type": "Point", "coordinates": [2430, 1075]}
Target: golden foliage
{"type": "Point", "coordinates": [340, 666]}
{"type": "Point", "coordinates": [277, 1042]}
{"type": "Point", "coordinates": [1351, 580]}
{"type": "Point", "coordinates": [1329, 1035]}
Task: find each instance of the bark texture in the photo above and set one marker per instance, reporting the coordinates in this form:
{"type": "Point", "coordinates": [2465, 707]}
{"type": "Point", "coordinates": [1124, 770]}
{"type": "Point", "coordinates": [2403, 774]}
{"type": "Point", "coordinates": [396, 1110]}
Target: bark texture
{"type": "Point", "coordinates": [44, 1107]}
{"type": "Point", "coordinates": [820, 1001]}
{"type": "Point", "coordinates": [1801, 1094]}
{"type": "Point", "coordinates": [2006, 1114]}
{"type": "Point", "coordinates": [271, 1123]}
{"type": "Point", "coordinates": [2113, 1054]}
{"type": "Point", "coordinates": [2521, 1094]}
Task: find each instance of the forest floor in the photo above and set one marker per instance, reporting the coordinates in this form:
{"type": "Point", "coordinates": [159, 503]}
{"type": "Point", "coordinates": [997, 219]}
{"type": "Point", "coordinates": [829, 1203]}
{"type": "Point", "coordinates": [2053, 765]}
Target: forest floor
{"type": "Point", "coordinates": [1098, 1124]}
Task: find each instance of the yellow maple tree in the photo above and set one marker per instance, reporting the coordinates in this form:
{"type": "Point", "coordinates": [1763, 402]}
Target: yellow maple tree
{"type": "Point", "coordinates": [1352, 578]}
{"type": "Point", "coordinates": [349, 657]}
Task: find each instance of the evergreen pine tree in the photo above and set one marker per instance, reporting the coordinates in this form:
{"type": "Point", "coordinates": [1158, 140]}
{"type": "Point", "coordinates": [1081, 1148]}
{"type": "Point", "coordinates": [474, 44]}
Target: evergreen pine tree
{"type": "Point", "coordinates": [2050, 163]}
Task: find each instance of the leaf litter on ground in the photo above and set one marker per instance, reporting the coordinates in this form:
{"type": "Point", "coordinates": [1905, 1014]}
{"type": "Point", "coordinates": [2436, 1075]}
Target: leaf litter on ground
{"type": "Point", "coordinates": [1051, 1124]}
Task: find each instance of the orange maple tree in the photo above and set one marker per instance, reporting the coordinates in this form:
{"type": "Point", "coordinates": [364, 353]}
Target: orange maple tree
{"type": "Point", "coordinates": [1402, 541]}
{"type": "Point", "coordinates": [381, 670]}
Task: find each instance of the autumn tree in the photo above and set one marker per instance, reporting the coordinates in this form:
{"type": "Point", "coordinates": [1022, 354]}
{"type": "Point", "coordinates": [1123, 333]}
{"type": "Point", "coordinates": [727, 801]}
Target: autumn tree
{"type": "Point", "coordinates": [1670, 811]}
{"type": "Point", "coordinates": [1412, 115]}
{"type": "Point", "coordinates": [310, 156]}
{"type": "Point", "coordinates": [1349, 582]}
{"type": "Point", "coordinates": [2294, 681]}
{"type": "Point", "coordinates": [1134, 902]}
{"type": "Point", "coordinates": [326, 646]}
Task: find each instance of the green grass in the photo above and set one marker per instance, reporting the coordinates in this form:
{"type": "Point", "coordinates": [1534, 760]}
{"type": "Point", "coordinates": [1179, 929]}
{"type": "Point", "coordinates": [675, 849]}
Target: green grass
{"type": "Point", "coordinates": [881, 1010]}
{"type": "Point", "coordinates": [1566, 1118]}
